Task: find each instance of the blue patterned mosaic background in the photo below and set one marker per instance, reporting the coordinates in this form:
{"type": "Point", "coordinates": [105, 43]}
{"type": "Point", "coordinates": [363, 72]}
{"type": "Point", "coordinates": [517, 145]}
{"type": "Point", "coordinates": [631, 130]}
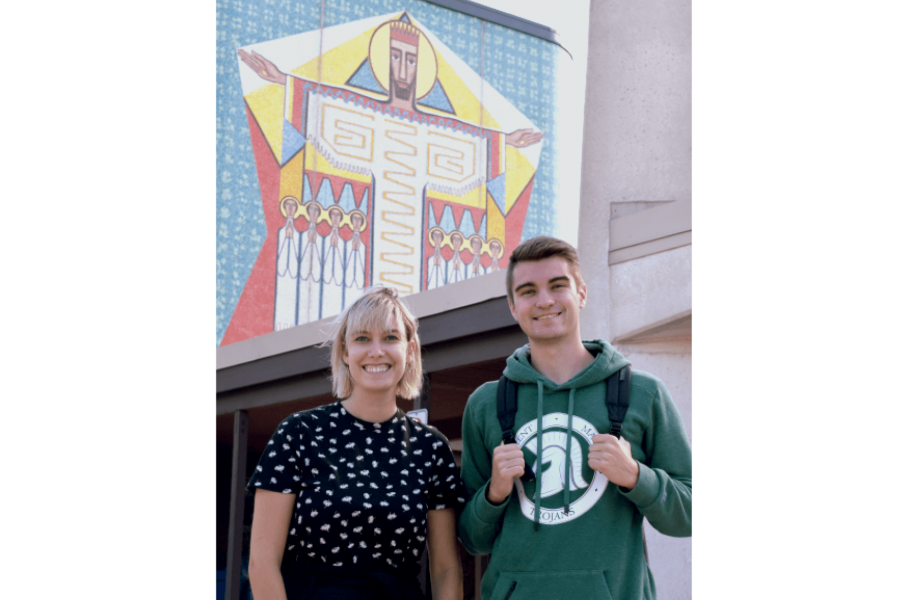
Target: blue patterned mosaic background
{"type": "Point", "coordinates": [520, 67]}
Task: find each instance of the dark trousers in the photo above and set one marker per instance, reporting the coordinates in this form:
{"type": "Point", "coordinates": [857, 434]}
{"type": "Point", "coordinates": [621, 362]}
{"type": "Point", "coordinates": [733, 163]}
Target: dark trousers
{"type": "Point", "coordinates": [323, 587]}
{"type": "Point", "coordinates": [320, 582]}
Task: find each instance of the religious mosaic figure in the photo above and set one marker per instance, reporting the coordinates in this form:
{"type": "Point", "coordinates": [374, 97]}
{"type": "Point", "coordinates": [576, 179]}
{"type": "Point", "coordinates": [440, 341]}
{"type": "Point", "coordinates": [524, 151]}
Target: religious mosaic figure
{"type": "Point", "coordinates": [476, 268]}
{"type": "Point", "coordinates": [437, 266]}
{"type": "Point", "coordinates": [378, 118]}
{"type": "Point", "coordinates": [456, 268]}
{"type": "Point", "coordinates": [355, 276]}
{"type": "Point", "coordinates": [496, 250]}
{"type": "Point", "coordinates": [311, 249]}
{"type": "Point", "coordinates": [333, 265]}
{"type": "Point", "coordinates": [288, 269]}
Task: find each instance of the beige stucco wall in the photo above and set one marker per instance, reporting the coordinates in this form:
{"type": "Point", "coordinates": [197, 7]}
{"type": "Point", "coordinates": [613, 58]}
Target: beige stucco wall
{"type": "Point", "coordinates": [670, 558]}
{"type": "Point", "coordinates": [637, 148]}
{"type": "Point", "coordinates": [650, 289]}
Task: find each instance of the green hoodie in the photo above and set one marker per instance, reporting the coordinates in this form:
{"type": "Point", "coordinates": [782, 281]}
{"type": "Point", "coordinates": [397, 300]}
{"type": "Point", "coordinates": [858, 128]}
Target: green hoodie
{"type": "Point", "coordinates": [596, 550]}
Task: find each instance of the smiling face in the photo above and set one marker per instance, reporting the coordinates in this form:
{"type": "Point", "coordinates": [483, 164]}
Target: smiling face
{"type": "Point", "coordinates": [404, 62]}
{"type": "Point", "coordinates": [547, 301]}
{"type": "Point", "coordinates": [377, 357]}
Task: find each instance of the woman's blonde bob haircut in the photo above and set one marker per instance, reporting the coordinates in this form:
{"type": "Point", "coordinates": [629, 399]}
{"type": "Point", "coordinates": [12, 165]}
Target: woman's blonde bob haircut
{"type": "Point", "coordinates": [376, 309]}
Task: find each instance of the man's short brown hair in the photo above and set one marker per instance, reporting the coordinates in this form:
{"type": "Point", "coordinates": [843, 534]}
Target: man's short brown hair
{"type": "Point", "coordinates": [541, 248]}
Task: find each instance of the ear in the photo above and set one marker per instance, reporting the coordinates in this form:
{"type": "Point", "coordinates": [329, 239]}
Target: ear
{"type": "Point", "coordinates": [345, 356]}
{"type": "Point", "coordinates": [582, 296]}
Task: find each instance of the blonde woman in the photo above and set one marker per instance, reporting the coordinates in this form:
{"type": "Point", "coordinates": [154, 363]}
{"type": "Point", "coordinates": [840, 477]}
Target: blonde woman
{"type": "Point", "coordinates": [347, 494]}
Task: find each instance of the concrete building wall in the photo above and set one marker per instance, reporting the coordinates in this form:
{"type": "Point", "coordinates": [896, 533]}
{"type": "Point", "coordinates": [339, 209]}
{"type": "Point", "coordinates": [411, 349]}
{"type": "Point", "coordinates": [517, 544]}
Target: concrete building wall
{"type": "Point", "coordinates": [648, 290]}
{"type": "Point", "coordinates": [637, 152]}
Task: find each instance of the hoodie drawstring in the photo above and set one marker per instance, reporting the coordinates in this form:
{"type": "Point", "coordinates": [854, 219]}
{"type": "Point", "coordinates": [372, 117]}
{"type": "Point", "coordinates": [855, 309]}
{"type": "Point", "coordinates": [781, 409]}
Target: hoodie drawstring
{"type": "Point", "coordinates": [538, 466]}
{"type": "Point", "coordinates": [568, 451]}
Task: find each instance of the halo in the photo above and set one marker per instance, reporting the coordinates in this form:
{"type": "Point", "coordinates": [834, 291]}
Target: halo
{"type": "Point", "coordinates": [483, 245]}
{"type": "Point", "coordinates": [444, 241]}
{"type": "Point", "coordinates": [502, 248]}
{"type": "Point", "coordinates": [462, 244]}
{"type": "Point", "coordinates": [284, 211]}
{"type": "Point", "coordinates": [322, 214]}
{"type": "Point", "coordinates": [361, 214]}
{"type": "Point", "coordinates": [343, 220]}
{"type": "Point", "coordinates": [380, 60]}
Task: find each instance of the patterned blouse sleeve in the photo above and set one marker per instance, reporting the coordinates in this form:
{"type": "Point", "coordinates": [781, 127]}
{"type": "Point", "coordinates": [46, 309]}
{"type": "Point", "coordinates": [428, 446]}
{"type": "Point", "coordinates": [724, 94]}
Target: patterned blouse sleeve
{"type": "Point", "coordinates": [279, 466]}
{"type": "Point", "coordinates": [445, 489]}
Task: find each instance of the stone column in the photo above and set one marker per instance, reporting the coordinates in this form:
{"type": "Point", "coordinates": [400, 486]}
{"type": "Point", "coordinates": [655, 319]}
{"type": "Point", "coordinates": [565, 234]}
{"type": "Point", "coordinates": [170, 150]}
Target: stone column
{"type": "Point", "coordinates": [636, 153]}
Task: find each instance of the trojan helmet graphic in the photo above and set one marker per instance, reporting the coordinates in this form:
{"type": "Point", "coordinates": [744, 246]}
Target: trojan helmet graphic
{"type": "Point", "coordinates": [554, 452]}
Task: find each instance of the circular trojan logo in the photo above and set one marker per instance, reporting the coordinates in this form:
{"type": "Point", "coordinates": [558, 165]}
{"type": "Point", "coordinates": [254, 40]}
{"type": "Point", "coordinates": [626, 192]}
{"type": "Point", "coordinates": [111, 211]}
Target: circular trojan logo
{"type": "Point", "coordinates": [585, 485]}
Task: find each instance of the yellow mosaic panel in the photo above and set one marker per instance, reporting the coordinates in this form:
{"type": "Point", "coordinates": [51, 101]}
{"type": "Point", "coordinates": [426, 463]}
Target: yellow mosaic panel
{"type": "Point", "coordinates": [291, 183]}
{"type": "Point", "coordinates": [267, 105]}
{"type": "Point", "coordinates": [518, 174]}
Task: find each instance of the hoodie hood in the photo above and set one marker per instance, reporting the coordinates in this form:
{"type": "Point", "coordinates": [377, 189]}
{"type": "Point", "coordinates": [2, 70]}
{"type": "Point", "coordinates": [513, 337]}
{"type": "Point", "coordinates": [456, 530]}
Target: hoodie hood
{"type": "Point", "coordinates": [606, 362]}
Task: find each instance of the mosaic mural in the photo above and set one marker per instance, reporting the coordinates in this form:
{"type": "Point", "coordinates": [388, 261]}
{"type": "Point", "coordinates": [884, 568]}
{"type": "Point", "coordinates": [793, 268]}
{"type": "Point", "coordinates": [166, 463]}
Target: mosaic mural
{"type": "Point", "coordinates": [381, 156]}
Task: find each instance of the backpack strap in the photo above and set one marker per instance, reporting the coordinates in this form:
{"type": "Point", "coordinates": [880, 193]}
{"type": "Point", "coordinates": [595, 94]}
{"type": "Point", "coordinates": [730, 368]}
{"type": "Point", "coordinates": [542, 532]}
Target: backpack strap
{"type": "Point", "coordinates": [507, 404]}
{"type": "Point", "coordinates": [618, 391]}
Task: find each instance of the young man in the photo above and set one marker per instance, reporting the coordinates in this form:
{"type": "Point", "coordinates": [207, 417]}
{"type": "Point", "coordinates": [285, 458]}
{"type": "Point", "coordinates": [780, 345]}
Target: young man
{"type": "Point", "coordinates": [573, 527]}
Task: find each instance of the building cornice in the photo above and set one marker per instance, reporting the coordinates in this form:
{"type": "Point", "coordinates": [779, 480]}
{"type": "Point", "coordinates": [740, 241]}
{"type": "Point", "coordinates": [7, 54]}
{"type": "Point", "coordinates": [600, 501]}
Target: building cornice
{"type": "Point", "coordinates": [664, 227]}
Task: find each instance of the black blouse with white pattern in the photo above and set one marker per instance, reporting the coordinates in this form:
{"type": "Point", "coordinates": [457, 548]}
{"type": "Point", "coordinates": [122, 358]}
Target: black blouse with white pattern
{"type": "Point", "coordinates": [363, 489]}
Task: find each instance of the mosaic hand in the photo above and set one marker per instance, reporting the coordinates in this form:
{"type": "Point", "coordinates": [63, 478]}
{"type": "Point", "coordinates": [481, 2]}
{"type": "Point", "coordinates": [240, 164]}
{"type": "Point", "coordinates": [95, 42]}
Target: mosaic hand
{"type": "Point", "coordinates": [263, 67]}
{"type": "Point", "coordinates": [522, 138]}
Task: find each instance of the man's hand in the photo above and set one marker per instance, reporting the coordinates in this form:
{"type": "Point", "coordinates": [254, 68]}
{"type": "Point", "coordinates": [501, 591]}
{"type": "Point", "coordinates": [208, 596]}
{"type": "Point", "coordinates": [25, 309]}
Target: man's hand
{"type": "Point", "coordinates": [509, 463]}
{"type": "Point", "coordinates": [263, 67]}
{"type": "Point", "coordinates": [612, 457]}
